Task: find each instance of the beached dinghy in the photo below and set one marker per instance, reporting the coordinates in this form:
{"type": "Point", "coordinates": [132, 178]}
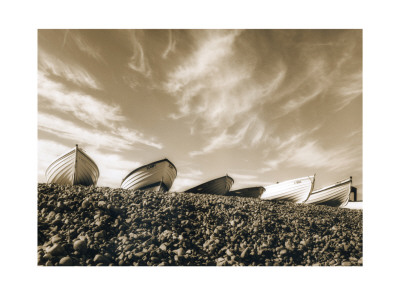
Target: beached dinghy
{"type": "Point", "coordinates": [219, 186]}
{"type": "Point", "coordinates": [157, 176]}
{"type": "Point", "coordinates": [336, 195]}
{"type": "Point", "coordinates": [295, 190]}
{"type": "Point", "coordinates": [72, 168]}
{"type": "Point", "coordinates": [252, 192]}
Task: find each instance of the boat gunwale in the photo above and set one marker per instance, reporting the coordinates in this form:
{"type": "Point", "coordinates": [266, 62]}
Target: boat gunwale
{"type": "Point", "coordinates": [339, 183]}
{"type": "Point", "coordinates": [289, 180]}
{"type": "Point", "coordinates": [249, 188]}
{"type": "Point", "coordinates": [200, 185]}
{"type": "Point", "coordinates": [144, 166]}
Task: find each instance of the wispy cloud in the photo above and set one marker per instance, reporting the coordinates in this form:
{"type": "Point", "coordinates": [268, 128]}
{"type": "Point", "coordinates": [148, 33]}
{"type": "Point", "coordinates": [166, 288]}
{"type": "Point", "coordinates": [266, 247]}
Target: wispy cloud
{"type": "Point", "coordinates": [299, 151]}
{"type": "Point", "coordinates": [52, 66]}
{"type": "Point", "coordinates": [347, 90]}
{"type": "Point", "coordinates": [242, 176]}
{"type": "Point", "coordinates": [119, 139]}
{"type": "Point", "coordinates": [223, 140]}
{"type": "Point", "coordinates": [84, 46]}
{"type": "Point", "coordinates": [138, 62]}
{"type": "Point", "coordinates": [171, 45]}
{"type": "Point", "coordinates": [84, 107]}
{"type": "Point", "coordinates": [215, 92]}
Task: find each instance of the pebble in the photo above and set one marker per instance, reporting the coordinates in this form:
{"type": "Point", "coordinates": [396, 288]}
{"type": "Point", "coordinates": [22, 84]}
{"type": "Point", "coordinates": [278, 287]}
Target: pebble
{"type": "Point", "coordinates": [56, 239]}
{"type": "Point", "coordinates": [85, 204]}
{"type": "Point", "coordinates": [244, 253]}
{"type": "Point", "coordinates": [66, 261]}
{"type": "Point", "coordinates": [113, 227]}
{"type": "Point", "coordinates": [80, 246]}
{"type": "Point", "coordinates": [99, 258]}
{"type": "Point", "coordinates": [56, 250]}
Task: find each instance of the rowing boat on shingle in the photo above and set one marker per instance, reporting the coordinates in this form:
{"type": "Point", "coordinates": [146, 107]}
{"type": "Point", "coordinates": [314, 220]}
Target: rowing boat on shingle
{"type": "Point", "coordinates": [157, 176]}
{"type": "Point", "coordinates": [295, 190]}
{"type": "Point", "coordinates": [73, 168]}
{"type": "Point", "coordinates": [252, 192]}
{"type": "Point", "coordinates": [336, 195]}
{"type": "Point", "coordinates": [219, 186]}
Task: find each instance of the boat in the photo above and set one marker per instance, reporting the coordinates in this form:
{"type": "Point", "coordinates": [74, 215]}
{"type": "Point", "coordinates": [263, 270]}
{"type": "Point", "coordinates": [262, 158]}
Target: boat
{"type": "Point", "coordinates": [74, 167]}
{"type": "Point", "coordinates": [336, 195]}
{"type": "Point", "coordinates": [157, 176]}
{"type": "Point", "coordinates": [219, 186]}
{"type": "Point", "coordinates": [294, 190]}
{"type": "Point", "coordinates": [252, 192]}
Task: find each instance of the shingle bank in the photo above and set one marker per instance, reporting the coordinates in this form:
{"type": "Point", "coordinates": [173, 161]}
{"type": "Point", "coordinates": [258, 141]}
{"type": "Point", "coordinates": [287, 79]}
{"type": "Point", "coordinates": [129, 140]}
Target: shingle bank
{"type": "Point", "coordinates": [96, 226]}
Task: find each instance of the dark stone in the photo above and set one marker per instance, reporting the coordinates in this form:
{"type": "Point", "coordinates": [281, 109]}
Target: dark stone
{"type": "Point", "coordinates": [66, 261]}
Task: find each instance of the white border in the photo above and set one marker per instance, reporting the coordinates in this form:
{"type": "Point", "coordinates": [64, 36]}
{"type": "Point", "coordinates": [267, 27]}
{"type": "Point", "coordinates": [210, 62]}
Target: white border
{"type": "Point", "coordinates": [23, 279]}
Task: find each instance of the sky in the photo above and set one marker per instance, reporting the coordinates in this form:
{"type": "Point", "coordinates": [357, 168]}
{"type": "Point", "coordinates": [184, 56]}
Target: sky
{"type": "Point", "coordinates": [259, 105]}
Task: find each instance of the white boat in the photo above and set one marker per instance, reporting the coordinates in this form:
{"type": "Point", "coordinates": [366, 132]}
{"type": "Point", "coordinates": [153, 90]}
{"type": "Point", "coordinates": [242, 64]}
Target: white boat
{"type": "Point", "coordinates": [219, 186]}
{"type": "Point", "coordinates": [295, 190]}
{"type": "Point", "coordinates": [157, 176]}
{"type": "Point", "coordinates": [252, 192]}
{"type": "Point", "coordinates": [72, 168]}
{"type": "Point", "coordinates": [336, 195]}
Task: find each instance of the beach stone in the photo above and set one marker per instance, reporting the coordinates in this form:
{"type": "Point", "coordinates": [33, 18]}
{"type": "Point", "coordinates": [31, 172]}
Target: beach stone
{"type": "Point", "coordinates": [85, 204]}
{"type": "Point", "coordinates": [221, 261]}
{"type": "Point", "coordinates": [154, 259]}
{"type": "Point", "coordinates": [180, 252]}
{"type": "Point", "coordinates": [244, 253]}
{"type": "Point", "coordinates": [229, 252]}
{"type": "Point", "coordinates": [56, 250]}
{"type": "Point", "coordinates": [102, 204]}
{"type": "Point", "coordinates": [56, 239]}
{"type": "Point", "coordinates": [51, 215]}
{"type": "Point", "coordinates": [80, 246]}
{"type": "Point", "coordinates": [99, 235]}
{"type": "Point", "coordinates": [346, 263]}
{"type": "Point", "coordinates": [66, 261]}
{"type": "Point", "coordinates": [99, 258]}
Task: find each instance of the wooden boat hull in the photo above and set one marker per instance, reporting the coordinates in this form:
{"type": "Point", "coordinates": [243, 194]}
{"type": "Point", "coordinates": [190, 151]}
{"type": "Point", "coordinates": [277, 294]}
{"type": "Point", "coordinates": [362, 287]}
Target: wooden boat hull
{"type": "Point", "coordinates": [336, 195]}
{"type": "Point", "coordinates": [219, 186]}
{"type": "Point", "coordinates": [253, 192]}
{"type": "Point", "coordinates": [157, 176]}
{"type": "Point", "coordinates": [74, 167]}
{"type": "Point", "coordinates": [295, 190]}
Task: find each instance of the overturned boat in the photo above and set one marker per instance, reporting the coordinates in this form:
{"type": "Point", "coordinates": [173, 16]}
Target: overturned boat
{"type": "Point", "coordinates": [73, 168]}
{"type": "Point", "coordinates": [295, 190]}
{"type": "Point", "coordinates": [219, 186]}
{"type": "Point", "coordinates": [157, 176]}
{"type": "Point", "coordinates": [336, 195]}
{"type": "Point", "coordinates": [252, 192]}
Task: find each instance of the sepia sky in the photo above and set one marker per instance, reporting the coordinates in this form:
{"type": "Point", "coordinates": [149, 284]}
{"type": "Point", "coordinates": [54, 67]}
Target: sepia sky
{"type": "Point", "coordinates": [261, 105]}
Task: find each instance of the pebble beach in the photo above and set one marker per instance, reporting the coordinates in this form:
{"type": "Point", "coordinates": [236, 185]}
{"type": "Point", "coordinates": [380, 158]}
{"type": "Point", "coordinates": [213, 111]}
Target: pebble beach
{"type": "Point", "coordinates": [100, 226]}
